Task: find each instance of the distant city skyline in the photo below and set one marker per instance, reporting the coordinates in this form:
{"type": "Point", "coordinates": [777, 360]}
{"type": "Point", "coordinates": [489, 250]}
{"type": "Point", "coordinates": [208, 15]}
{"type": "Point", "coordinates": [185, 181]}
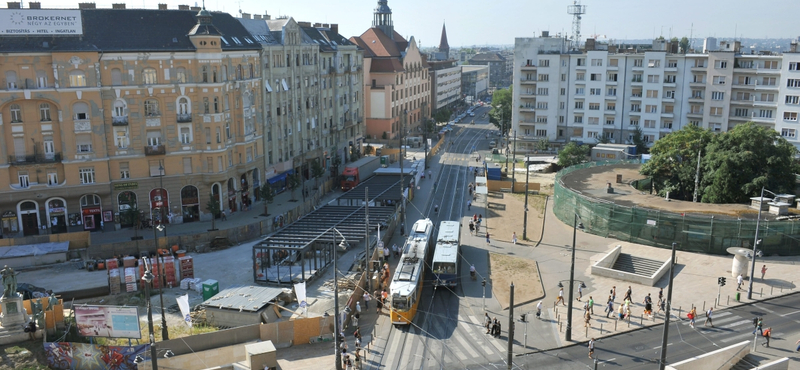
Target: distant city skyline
{"type": "Point", "coordinates": [477, 23]}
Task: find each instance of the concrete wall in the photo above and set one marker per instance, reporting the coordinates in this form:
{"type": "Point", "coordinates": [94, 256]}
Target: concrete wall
{"type": "Point", "coordinates": [226, 317]}
{"type": "Point", "coordinates": [721, 359]}
{"type": "Point", "coordinates": [608, 260]}
{"type": "Point", "coordinates": [217, 357]}
{"type": "Point", "coordinates": [603, 268]}
{"type": "Point", "coordinates": [77, 240]}
{"type": "Point", "coordinates": [781, 364]}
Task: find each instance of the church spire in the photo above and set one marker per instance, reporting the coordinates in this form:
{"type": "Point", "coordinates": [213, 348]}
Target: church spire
{"type": "Point", "coordinates": [444, 47]}
{"type": "Point", "coordinates": [383, 18]}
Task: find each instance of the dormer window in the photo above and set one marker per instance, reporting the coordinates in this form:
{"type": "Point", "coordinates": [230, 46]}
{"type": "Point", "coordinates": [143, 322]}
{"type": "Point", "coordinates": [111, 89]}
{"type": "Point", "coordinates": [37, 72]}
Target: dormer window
{"type": "Point", "coordinates": [224, 40]}
{"type": "Point", "coordinates": [236, 40]}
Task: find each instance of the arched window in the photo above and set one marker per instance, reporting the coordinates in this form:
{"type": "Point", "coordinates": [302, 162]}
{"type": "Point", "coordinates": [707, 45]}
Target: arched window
{"type": "Point", "coordinates": [180, 75]}
{"type": "Point", "coordinates": [183, 105]}
{"type": "Point", "coordinates": [80, 111]}
{"type": "Point", "coordinates": [90, 200]}
{"type": "Point", "coordinates": [239, 72]}
{"type": "Point", "coordinates": [151, 108]}
{"type": "Point", "coordinates": [11, 80]}
{"type": "Point", "coordinates": [44, 112]}
{"type": "Point", "coordinates": [116, 77]}
{"type": "Point", "coordinates": [77, 79]}
{"type": "Point", "coordinates": [204, 73]}
{"type": "Point", "coordinates": [16, 113]}
{"type": "Point", "coordinates": [119, 108]}
{"type": "Point", "coordinates": [224, 73]}
{"type": "Point", "coordinates": [214, 74]}
{"type": "Point", "coordinates": [149, 76]}
{"type": "Point", "coordinates": [252, 71]}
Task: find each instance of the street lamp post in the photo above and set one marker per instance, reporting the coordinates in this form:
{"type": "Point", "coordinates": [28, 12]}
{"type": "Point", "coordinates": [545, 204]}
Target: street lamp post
{"type": "Point", "coordinates": [514, 161]}
{"type": "Point", "coordinates": [568, 336]}
{"type": "Point", "coordinates": [148, 279]}
{"type": "Point", "coordinates": [663, 361]}
{"type": "Point", "coordinates": [525, 214]}
{"type": "Point", "coordinates": [755, 244]}
{"type": "Point", "coordinates": [336, 316]}
{"type": "Point", "coordinates": [160, 275]}
{"type": "Point", "coordinates": [402, 180]}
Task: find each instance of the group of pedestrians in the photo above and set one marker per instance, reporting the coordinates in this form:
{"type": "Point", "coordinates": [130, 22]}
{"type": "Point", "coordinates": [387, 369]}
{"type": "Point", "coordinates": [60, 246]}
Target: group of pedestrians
{"type": "Point", "coordinates": [492, 326]}
{"type": "Point", "coordinates": [347, 362]}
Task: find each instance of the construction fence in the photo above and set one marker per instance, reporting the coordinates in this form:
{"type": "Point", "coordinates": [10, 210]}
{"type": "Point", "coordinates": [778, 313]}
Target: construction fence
{"type": "Point", "coordinates": [701, 233]}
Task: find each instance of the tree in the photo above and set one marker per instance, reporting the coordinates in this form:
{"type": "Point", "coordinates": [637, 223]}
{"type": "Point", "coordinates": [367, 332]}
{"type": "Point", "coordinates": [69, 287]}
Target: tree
{"type": "Point", "coordinates": [684, 43]}
{"type": "Point", "coordinates": [543, 144]}
{"type": "Point", "coordinates": [573, 154]}
{"type": "Point", "coordinates": [214, 208]}
{"type": "Point", "coordinates": [317, 170]}
{"type": "Point", "coordinates": [354, 153]}
{"type": "Point", "coordinates": [603, 139]}
{"type": "Point", "coordinates": [673, 161]}
{"type": "Point", "coordinates": [335, 162]}
{"type": "Point", "coordinates": [293, 182]}
{"type": "Point", "coordinates": [132, 215]}
{"type": "Point", "coordinates": [442, 115]}
{"type": "Point", "coordinates": [743, 160]}
{"type": "Point", "coordinates": [638, 140]}
{"type": "Point", "coordinates": [267, 193]}
{"type": "Point", "coordinates": [501, 108]}
{"type": "Point", "coordinates": [369, 150]}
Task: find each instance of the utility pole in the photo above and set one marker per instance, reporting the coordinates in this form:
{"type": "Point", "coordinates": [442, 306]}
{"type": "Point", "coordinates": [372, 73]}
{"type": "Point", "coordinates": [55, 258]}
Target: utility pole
{"type": "Point", "coordinates": [366, 243]}
{"type": "Point", "coordinates": [663, 361]}
{"type": "Point", "coordinates": [514, 162]}
{"type": "Point", "coordinates": [525, 214]}
{"type": "Point", "coordinates": [511, 326]}
{"type": "Point", "coordinates": [697, 176]}
{"type": "Point", "coordinates": [402, 181]}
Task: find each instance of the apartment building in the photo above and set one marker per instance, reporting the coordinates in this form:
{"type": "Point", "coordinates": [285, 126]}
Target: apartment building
{"type": "Point", "coordinates": [446, 83]}
{"type": "Point", "coordinates": [397, 85]}
{"type": "Point", "coordinates": [474, 82]}
{"type": "Point", "coordinates": [604, 95]}
{"type": "Point", "coordinates": [99, 112]}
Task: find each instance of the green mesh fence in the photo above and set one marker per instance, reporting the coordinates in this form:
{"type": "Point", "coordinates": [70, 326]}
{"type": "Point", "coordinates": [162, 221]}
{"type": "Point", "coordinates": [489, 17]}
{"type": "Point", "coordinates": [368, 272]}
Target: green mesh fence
{"type": "Point", "coordinates": [695, 233]}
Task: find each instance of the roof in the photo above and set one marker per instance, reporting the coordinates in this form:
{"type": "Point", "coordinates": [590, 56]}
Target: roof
{"type": "Point", "coordinates": [386, 65]}
{"type": "Point", "coordinates": [134, 30]}
{"type": "Point", "coordinates": [380, 44]}
{"type": "Point", "coordinates": [488, 57]}
{"type": "Point", "coordinates": [259, 29]}
{"type": "Point", "coordinates": [243, 298]}
{"type": "Point", "coordinates": [443, 45]}
{"type": "Point", "coordinates": [326, 38]}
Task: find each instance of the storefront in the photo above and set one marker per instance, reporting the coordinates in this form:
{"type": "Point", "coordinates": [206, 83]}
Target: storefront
{"type": "Point", "coordinates": [57, 215]}
{"type": "Point", "coordinates": [28, 212]}
{"type": "Point", "coordinates": [159, 205]}
{"type": "Point", "coordinates": [256, 185]}
{"type": "Point", "coordinates": [91, 212]}
{"type": "Point", "coordinates": [216, 194]}
{"type": "Point", "coordinates": [278, 182]}
{"type": "Point", "coordinates": [190, 204]}
{"type": "Point", "coordinates": [232, 195]}
{"type": "Point", "coordinates": [245, 192]}
{"type": "Point", "coordinates": [127, 201]}
{"type": "Point", "coordinates": [10, 223]}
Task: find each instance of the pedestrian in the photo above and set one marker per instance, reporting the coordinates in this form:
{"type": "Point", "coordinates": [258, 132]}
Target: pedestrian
{"type": "Point", "coordinates": [436, 208]}
{"type": "Point", "coordinates": [692, 315]}
{"type": "Point", "coordinates": [386, 254]}
{"type": "Point", "coordinates": [224, 215]}
{"type": "Point", "coordinates": [614, 293]}
{"type": "Point", "coordinates": [739, 280]}
{"type": "Point", "coordinates": [610, 308]}
{"type": "Point", "coordinates": [591, 347]}
{"type": "Point", "coordinates": [469, 202]}
{"type": "Point", "coordinates": [490, 327]}
{"type": "Point", "coordinates": [378, 302]}
{"type": "Point", "coordinates": [356, 316]}
{"type": "Point", "coordinates": [539, 310]}
{"type": "Point", "coordinates": [471, 227]}
{"type": "Point", "coordinates": [587, 319]}
{"type": "Point", "coordinates": [759, 326]}
{"type": "Point", "coordinates": [430, 174]}
{"type": "Point", "coordinates": [628, 313]}
{"type": "Point", "coordinates": [499, 329]}
{"type": "Point", "coordinates": [487, 237]}
{"type": "Point", "coordinates": [661, 303]}
{"type": "Point", "coordinates": [629, 293]}
{"type": "Point", "coordinates": [560, 297]}
{"type": "Point", "coordinates": [358, 308]}
{"type": "Point", "coordinates": [661, 294]}
{"type": "Point", "coordinates": [763, 271]}
{"type": "Point", "coordinates": [591, 304]}
{"type": "Point", "coordinates": [514, 238]}
{"type": "Point", "coordinates": [357, 334]}
{"type": "Point", "coordinates": [621, 313]}
{"type": "Point", "coordinates": [798, 346]}
{"type": "Point", "coordinates": [487, 321]}
{"type": "Point", "coordinates": [767, 335]}
{"type": "Point", "coordinates": [586, 306]}
{"type": "Point", "coordinates": [580, 291]}
{"type": "Point", "coordinates": [708, 317]}
{"type": "Point", "coordinates": [475, 217]}
{"type": "Point", "coordinates": [366, 300]}
{"type": "Point", "coordinates": [648, 305]}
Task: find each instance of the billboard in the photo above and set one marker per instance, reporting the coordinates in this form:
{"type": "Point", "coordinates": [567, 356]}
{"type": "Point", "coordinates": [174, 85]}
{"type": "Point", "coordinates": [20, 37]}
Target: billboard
{"type": "Point", "coordinates": [28, 22]}
{"type": "Point", "coordinates": [108, 321]}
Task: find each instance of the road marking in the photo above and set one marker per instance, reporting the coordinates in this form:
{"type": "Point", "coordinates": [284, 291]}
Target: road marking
{"type": "Point", "coordinates": [738, 323]}
{"type": "Point", "coordinates": [465, 345]}
{"type": "Point", "coordinates": [392, 348]}
{"type": "Point", "coordinates": [765, 309]}
{"type": "Point", "coordinates": [790, 313]}
{"type": "Point", "coordinates": [474, 320]}
{"type": "Point", "coordinates": [609, 360]}
{"type": "Point", "coordinates": [738, 337]}
{"type": "Point", "coordinates": [476, 338]}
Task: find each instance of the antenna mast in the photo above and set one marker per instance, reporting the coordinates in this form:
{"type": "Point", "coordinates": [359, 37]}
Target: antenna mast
{"type": "Point", "coordinates": [576, 9]}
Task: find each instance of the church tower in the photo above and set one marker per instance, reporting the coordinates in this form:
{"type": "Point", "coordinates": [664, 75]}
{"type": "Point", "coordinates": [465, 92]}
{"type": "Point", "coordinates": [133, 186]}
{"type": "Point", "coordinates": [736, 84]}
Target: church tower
{"type": "Point", "coordinates": [383, 18]}
{"type": "Point", "coordinates": [444, 47]}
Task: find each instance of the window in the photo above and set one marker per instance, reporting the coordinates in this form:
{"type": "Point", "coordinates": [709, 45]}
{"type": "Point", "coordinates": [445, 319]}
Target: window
{"type": "Point", "coordinates": [187, 165]}
{"type": "Point", "coordinates": [228, 130]}
{"type": "Point", "coordinates": [790, 116]}
{"type": "Point", "coordinates": [634, 122]}
{"type": "Point", "coordinates": [697, 94]}
{"type": "Point", "coordinates": [719, 80]}
{"type": "Point", "coordinates": [669, 94]}
{"type": "Point", "coordinates": [11, 80]}
{"type": "Point", "coordinates": [49, 148]}
{"type": "Point", "coordinates": [637, 78]}
{"type": "Point", "coordinates": [41, 80]}
{"type": "Point", "coordinates": [769, 81]}
{"type": "Point", "coordinates": [611, 91]}
{"type": "Point", "coordinates": [86, 175]}
{"type": "Point", "coordinates": [180, 75]}
{"type": "Point", "coordinates": [119, 109]}
{"type": "Point", "coordinates": [563, 77]}
{"type": "Point", "coordinates": [578, 119]}
{"type": "Point", "coordinates": [121, 137]}
{"type": "Point", "coordinates": [580, 76]}
{"type": "Point", "coordinates": [183, 107]}
{"type": "Point", "coordinates": [153, 138]}
{"type": "Point", "coordinates": [116, 77]}
{"type": "Point", "coordinates": [597, 62]}
{"type": "Point", "coordinates": [611, 106]}
{"type": "Point", "coordinates": [594, 120]}
{"type": "Point", "coordinates": [544, 63]}
{"type": "Point", "coordinates": [563, 91]}
{"type": "Point", "coordinates": [16, 113]}
{"type": "Point", "coordinates": [52, 178]}
{"type": "Point", "coordinates": [596, 77]}
{"type": "Point", "coordinates": [578, 105]}
{"type": "Point", "coordinates": [186, 135]}
{"type": "Point", "coordinates": [541, 105]}
{"type": "Point", "coordinates": [741, 112]}
{"type": "Point", "coordinates": [721, 64]}
{"type": "Point", "coordinates": [591, 134]}
{"type": "Point", "coordinates": [80, 111]}
{"type": "Point", "coordinates": [124, 171]}
{"type": "Point", "coordinates": [717, 95]}
{"type": "Point", "coordinates": [788, 132]}
{"type": "Point", "coordinates": [77, 79]}
{"type": "Point", "coordinates": [24, 181]}
{"type": "Point", "coordinates": [653, 63]}
{"type": "Point", "coordinates": [670, 79]}
{"type": "Point", "coordinates": [83, 143]}
{"type": "Point", "coordinates": [595, 91]}
{"type": "Point", "coordinates": [543, 77]}
{"type": "Point", "coordinates": [765, 113]}
{"type": "Point", "coordinates": [542, 91]}
{"type": "Point", "coordinates": [649, 123]}
{"type": "Point", "coordinates": [653, 79]}
{"type": "Point", "coordinates": [715, 111]}
{"type": "Point", "coordinates": [149, 76]}
{"type": "Point", "coordinates": [652, 93]}
{"type": "Point", "coordinates": [695, 123]}
{"type": "Point", "coordinates": [541, 132]}
{"type": "Point", "coordinates": [594, 106]}
{"type": "Point", "coordinates": [672, 63]}
{"type": "Point", "coordinates": [638, 62]}
{"type": "Point", "coordinates": [610, 121]}
{"type": "Point", "coordinates": [579, 91]}
{"type": "Point", "coordinates": [151, 108]}
{"type": "Point", "coordinates": [794, 66]}
{"type": "Point", "coordinates": [649, 138]}
{"type": "Point", "coordinates": [613, 62]}
{"type": "Point", "coordinates": [219, 136]}
{"type": "Point", "coordinates": [767, 97]}
{"type": "Point", "coordinates": [541, 119]}
{"type": "Point", "coordinates": [611, 77]}
{"type": "Point", "coordinates": [636, 107]}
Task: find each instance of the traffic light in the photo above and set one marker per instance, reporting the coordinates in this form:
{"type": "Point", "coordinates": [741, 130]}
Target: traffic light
{"type": "Point", "coordinates": [483, 283]}
{"type": "Point", "coordinates": [721, 281]}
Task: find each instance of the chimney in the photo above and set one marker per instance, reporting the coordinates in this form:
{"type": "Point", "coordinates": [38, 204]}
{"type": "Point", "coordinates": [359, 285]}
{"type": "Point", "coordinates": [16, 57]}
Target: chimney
{"type": "Point", "coordinates": [195, 8]}
{"type": "Point", "coordinates": [118, 6]}
{"type": "Point", "coordinates": [266, 16]}
{"type": "Point", "coordinates": [793, 47]}
{"type": "Point", "coordinates": [183, 7]}
{"type": "Point", "coordinates": [612, 49]}
{"type": "Point", "coordinates": [162, 6]}
{"type": "Point", "coordinates": [317, 25]}
{"type": "Point", "coordinates": [304, 24]}
{"type": "Point", "coordinates": [14, 5]}
{"type": "Point", "coordinates": [335, 28]}
{"type": "Point", "coordinates": [257, 16]}
{"type": "Point", "coordinates": [245, 15]}
{"type": "Point", "coordinates": [34, 5]}
{"type": "Point", "coordinates": [87, 6]}
{"type": "Point", "coordinates": [545, 33]}
{"type": "Point", "coordinates": [325, 25]}
{"type": "Point", "coordinates": [590, 45]}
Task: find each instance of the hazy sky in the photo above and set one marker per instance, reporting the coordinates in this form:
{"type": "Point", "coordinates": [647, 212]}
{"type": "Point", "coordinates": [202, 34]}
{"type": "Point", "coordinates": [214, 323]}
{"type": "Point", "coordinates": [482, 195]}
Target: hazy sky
{"type": "Point", "coordinates": [475, 22]}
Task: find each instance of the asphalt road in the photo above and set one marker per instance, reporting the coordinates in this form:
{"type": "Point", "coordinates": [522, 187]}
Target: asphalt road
{"type": "Point", "coordinates": [642, 349]}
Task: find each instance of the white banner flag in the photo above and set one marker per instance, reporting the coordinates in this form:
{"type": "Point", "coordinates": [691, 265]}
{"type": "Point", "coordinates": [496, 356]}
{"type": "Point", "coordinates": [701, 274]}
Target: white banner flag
{"type": "Point", "coordinates": [300, 291]}
{"type": "Point", "coordinates": [183, 304]}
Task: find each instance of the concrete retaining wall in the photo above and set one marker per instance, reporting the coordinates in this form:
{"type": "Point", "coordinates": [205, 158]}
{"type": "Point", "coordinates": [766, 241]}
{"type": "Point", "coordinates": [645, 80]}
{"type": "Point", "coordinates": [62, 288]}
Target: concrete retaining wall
{"type": "Point", "coordinates": [603, 268]}
{"type": "Point", "coordinates": [721, 359]}
{"type": "Point", "coordinates": [782, 364]}
{"type": "Point", "coordinates": [217, 357]}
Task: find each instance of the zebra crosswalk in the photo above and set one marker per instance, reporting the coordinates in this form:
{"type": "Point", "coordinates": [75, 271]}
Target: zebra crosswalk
{"type": "Point", "coordinates": [728, 327]}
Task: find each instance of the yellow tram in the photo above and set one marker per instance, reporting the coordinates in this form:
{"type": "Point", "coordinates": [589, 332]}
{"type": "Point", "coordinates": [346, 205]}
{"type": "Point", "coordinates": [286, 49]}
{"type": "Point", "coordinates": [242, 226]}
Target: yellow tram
{"type": "Point", "coordinates": [406, 285]}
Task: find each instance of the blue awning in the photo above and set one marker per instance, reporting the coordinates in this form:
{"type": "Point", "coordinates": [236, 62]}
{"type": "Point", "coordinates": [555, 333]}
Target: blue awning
{"type": "Point", "coordinates": [281, 177]}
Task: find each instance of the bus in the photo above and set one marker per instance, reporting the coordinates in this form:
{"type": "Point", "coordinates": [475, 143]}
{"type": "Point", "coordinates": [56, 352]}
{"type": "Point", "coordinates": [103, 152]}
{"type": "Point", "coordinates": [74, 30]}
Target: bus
{"type": "Point", "coordinates": [406, 285]}
{"type": "Point", "coordinates": [446, 254]}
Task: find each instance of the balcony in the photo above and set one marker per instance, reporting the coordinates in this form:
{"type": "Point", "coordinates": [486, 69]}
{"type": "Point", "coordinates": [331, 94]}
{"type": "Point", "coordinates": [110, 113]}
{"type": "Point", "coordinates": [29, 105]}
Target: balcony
{"type": "Point", "coordinates": [184, 118]}
{"type": "Point", "coordinates": [764, 103]}
{"type": "Point", "coordinates": [34, 159]}
{"type": "Point", "coordinates": [697, 83]}
{"type": "Point", "coordinates": [756, 117]}
{"type": "Point", "coordinates": [760, 86]}
{"type": "Point", "coordinates": [528, 67]}
{"type": "Point", "coordinates": [694, 114]}
{"type": "Point", "coordinates": [155, 150]}
{"type": "Point", "coordinates": [669, 83]}
{"type": "Point", "coordinates": [636, 81]}
{"type": "Point", "coordinates": [636, 96]}
{"type": "Point", "coordinates": [667, 114]}
{"type": "Point", "coordinates": [527, 95]}
{"type": "Point", "coordinates": [696, 99]}
{"type": "Point", "coordinates": [119, 120]}
{"type": "Point", "coordinates": [699, 68]}
{"type": "Point", "coordinates": [530, 109]}
{"type": "Point", "coordinates": [531, 81]}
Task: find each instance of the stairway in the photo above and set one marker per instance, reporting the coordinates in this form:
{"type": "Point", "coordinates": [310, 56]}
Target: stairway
{"type": "Point", "coordinates": [750, 361]}
{"type": "Point", "coordinates": [636, 265]}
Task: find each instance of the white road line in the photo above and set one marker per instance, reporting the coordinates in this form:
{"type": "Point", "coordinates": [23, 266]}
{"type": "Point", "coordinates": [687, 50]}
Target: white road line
{"type": "Point", "coordinates": [391, 350]}
{"type": "Point", "coordinates": [474, 320]}
{"type": "Point", "coordinates": [765, 309]}
{"type": "Point", "coordinates": [465, 345]}
{"type": "Point", "coordinates": [738, 337]}
{"type": "Point", "coordinates": [478, 339]}
{"type": "Point", "coordinates": [790, 313]}
{"type": "Point", "coordinates": [609, 360]}
{"type": "Point", "coordinates": [738, 323]}
{"type": "Point", "coordinates": [497, 345]}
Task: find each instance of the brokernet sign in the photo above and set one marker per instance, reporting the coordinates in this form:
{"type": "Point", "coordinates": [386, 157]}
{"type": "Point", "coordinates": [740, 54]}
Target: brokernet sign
{"type": "Point", "coordinates": [31, 22]}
